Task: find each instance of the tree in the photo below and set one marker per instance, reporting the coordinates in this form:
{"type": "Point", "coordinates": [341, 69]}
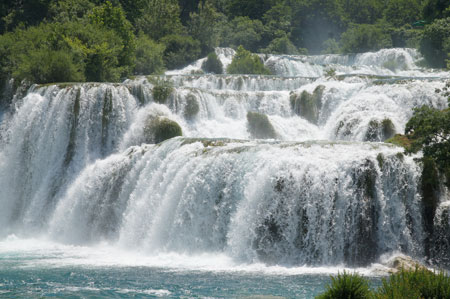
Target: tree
{"type": "Point", "coordinates": [180, 50]}
{"type": "Point", "coordinates": [244, 62]}
{"type": "Point", "coordinates": [149, 56]}
{"type": "Point", "coordinates": [113, 17]}
{"type": "Point", "coordinates": [401, 12]}
{"type": "Point", "coordinates": [365, 37]}
{"type": "Point", "coordinates": [435, 44]}
{"type": "Point", "coordinates": [159, 19]}
{"type": "Point", "coordinates": [254, 9]}
{"type": "Point", "coordinates": [243, 31]}
{"type": "Point", "coordinates": [202, 26]}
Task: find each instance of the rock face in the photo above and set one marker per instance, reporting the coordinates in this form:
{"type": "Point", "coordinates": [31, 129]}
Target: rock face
{"type": "Point", "coordinates": [399, 262]}
{"type": "Point", "coordinates": [308, 105]}
{"type": "Point", "coordinates": [259, 126]}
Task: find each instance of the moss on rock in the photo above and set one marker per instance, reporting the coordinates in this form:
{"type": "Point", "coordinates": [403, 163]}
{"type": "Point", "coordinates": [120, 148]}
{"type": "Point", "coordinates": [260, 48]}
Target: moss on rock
{"type": "Point", "coordinates": [161, 91]}
{"type": "Point", "coordinates": [259, 126]}
{"type": "Point", "coordinates": [192, 107]}
{"type": "Point", "coordinates": [308, 105]}
{"type": "Point", "coordinates": [159, 128]}
{"type": "Point", "coordinates": [380, 131]}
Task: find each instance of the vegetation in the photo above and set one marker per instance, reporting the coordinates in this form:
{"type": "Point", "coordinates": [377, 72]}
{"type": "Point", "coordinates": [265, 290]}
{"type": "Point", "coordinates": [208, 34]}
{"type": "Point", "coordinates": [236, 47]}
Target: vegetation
{"type": "Point", "coordinates": [308, 105]}
{"type": "Point", "coordinates": [161, 91]}
{"type": "Point", "coordinates": [91, 40]}
{"type": "Point", "coordinates": [212, 64]}
{"type": "Point", "coordinates": [159, 128]}
{"type": "Point", "coordinates": [347, 285]}
{"type": "Point", "coordinates": [245, 62]}
{"type": "Point", "coordinates": [192, 107]}
{"type": "Point", "coordinates": [418, 283]}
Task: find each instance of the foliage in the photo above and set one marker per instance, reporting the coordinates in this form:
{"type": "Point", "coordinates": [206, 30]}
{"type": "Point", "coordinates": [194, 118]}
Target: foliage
{"type": "Point", "coordinates": [281, 45]}
{"type": "Point", "coordinates": [212, 64]}
{"type": "Point", "coordinates": [435, 44]}
{"type": "Point", "coordinates": [363, 38]}
{"type": "Point", "coordinates": [415, 284]}
{"type": "Point", "coordinates": [259, 126]}
{"type": "Point", "coordinates": [401, 12]}
{"type": "Point", "coordinates": [203, 26]}
{"type": "Point", "coordinates": [69, 10]}
{"type": "Point", "coordinates": [244, 62]}
{"type": "Point", "coordinates": [113, 18]}
{"type": "Point", "coordinates": [346, 286]}
{"type": "Point", "coordinates": [161, 91]}
{"type": "Point", "coordinates": [149, 56]}
{"type": "Point", "coordinates": [160, 18]}
{"type": "Point", "coordinates": [254, 9]}
{"type": "Point", "coordinates": [429, 130]}
{"type": "Point", "coordinates": [159, 128]}
{"type": "Point", "coordinates": [243, 31]}
{"type": "Point", "coordinates": [330, 46]}
{"type": "Point", "coordinates": [420, 283]}
{"type": "Point", "coordinates": [180, 50]}
{"type": "Point", "coordinates": [400, 140]}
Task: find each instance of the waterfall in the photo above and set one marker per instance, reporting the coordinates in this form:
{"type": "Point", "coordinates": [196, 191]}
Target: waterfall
{"type": "Point", "coordinates": [77, 166]}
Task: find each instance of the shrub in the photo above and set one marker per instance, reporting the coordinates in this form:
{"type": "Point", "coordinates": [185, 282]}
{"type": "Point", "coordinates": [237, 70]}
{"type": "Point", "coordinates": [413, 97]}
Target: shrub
{"type": "Point", "coordinates": [435, 43]}
{"type": "Point", "coordinates": [242, 31]}
{"type": "Point", "coordinates": [47, 66]}
{"type": "Point", "coordinates": [212, 64]}
{"type": "Point", "coordinates": [180, 50]}
{"type": "Point", "coordinates": [245, 62]}
{"type": "Point", "coordinates": [281, 45]}
{"type": "Point", "coordinates": [420, 283]}
{"type": "Point", "coordinates": [347, 286]}
{"type": "Point", "coordinates": [161, 91]}
{"type": "Point", "coordinates": [159, 128]}
{"type": "Point", "coordinates": [400, 140]}
{"type": "Point", "coordinates": [364, 37]}
{"type": "Point", "coordinates": [149, 56]}
{"type": "Point", "coordinates": [259, 126]}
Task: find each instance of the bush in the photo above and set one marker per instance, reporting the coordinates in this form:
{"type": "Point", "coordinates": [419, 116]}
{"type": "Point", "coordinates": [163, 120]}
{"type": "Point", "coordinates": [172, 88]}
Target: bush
{"type": "Point", "coordinates": [281, 45]}
{"type": "Point", "coordinates": [245, 62]}
{"type": "Point", "coordinates": [347, 286]}
{"type": "Point", "coordinates": [435, 44]}
{"type": "Point", "coordinates": [420, 283]}
{"type": "Point", "coordinates": [161, 91]}
{"type": "Point", "coordinates": [180, 50]}
{"type": "Point", "coordinates": [47, 66]}
{"type": "Point", "coordinates": [212, 64]}
{"type": "Point", "coordinates": [149, 56]}
{"type": "Point", "coordinates": [259, 126]}
{"type": "Point", "coordinates": [159, 128]}
{"type": "Point", "coordinates": [363, 38]}
{"type": "Point", "coordinates": [242, 31]}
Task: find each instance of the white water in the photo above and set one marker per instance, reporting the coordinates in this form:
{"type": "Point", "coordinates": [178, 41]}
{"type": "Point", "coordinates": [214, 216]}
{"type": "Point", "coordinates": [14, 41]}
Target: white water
{"type": "Point", "coordinates": [74, 168]}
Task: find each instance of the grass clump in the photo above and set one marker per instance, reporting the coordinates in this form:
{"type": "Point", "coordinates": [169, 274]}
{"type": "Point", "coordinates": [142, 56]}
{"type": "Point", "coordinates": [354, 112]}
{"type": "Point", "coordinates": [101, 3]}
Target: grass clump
{"type": "Point", "coordinates": [347, 286]}
{"type": "Point", "coordinates": [416, 284]}
{"type": "Point", "coordinates": [400, 140]}
{"type": "Point", "coordinates": [212, 64]}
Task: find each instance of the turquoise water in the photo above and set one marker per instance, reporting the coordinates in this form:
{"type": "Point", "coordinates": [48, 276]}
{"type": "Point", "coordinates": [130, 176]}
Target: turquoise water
{"type": "Point", "coordinates": [38, 269]}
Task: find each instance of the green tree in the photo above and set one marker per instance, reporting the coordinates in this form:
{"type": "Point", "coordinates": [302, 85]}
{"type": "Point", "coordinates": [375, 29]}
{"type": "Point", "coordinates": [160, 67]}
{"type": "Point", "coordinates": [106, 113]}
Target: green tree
{"type": "Point", "coordinates": [149, 56]}
{"type": "Point", "coordinates": [202, 26]}
{"type": "Point", "coordinates": [113, 17]}
{"type": "Point", "coordinates": [401, 12]}
{"type": "Point", "coordinates": [435, 44]}
{"type": "Point", "coordinates": [244, 62]}
{"type": "Point", "coordinates": [281, 45]}
{"type": "Point", "coordinates": [180, 50]}
{"type": "Point", "coordinates": [243, 31]}
{"type": "Point", "coordinates": [253, 9]}
{"type": "Point", "coordinates": [159, 19]}
{"type": "Point", "coordinates": [429, 130]}
{"type": "Point", "coordinates": [365, 37]}
{"type": "Point", "coordinates": [212, 64]}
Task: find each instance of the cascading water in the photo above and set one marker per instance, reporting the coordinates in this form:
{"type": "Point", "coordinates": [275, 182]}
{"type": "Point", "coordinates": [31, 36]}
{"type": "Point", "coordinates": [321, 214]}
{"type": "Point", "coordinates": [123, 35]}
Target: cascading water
{"type": "Point", "coordinates": [76, 169]}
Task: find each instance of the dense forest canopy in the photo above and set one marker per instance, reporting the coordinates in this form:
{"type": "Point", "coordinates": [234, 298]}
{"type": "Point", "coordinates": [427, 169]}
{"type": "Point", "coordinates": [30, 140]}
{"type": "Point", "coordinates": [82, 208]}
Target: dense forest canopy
{"type": "Point", "coordinates": [93, 40]}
